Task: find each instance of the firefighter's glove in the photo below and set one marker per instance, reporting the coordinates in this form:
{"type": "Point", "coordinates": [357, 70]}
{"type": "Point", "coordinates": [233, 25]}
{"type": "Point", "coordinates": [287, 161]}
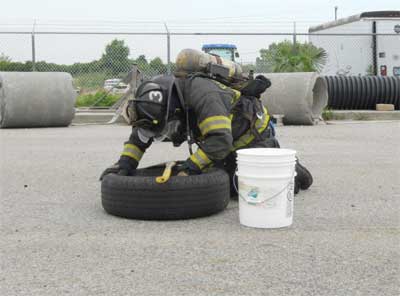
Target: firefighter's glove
{"type": "Point", "coordinates": [256, 87]}
{"type": "Point", "coordinates": [114, 169]}
{"type": "Point", "coordinates": [122, 168]}
{"type": "Point", "coordinates": [186, 169]}
{"type": "Point", "coordinates": [265, 79]}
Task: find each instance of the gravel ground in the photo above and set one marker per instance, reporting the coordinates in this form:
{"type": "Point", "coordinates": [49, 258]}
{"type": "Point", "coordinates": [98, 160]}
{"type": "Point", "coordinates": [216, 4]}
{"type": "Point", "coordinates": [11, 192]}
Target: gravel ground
{"type": "Point", "coordinates": [57, 240]}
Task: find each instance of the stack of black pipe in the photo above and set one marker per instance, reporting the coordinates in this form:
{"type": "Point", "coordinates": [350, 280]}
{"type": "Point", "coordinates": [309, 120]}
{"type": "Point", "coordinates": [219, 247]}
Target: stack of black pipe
{"type": "Point", "coordinates": [362, 92]}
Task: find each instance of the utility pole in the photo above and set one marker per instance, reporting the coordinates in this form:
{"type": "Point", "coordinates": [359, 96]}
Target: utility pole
{"type": "Point", "coordinates": [168, 49]}
{"type": "Point", "coordinates": [336, 8]}
{"type": "Point", "coordinates": [33, 47]}
{"type": "Point", "coordinates": [294, 38]}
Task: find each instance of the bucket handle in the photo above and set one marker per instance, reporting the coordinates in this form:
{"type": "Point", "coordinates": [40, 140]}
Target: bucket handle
{"type": "Point", "coordinates": [264, 200]}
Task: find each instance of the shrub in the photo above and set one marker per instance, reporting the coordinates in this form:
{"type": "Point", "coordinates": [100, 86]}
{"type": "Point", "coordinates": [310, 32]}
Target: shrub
{"type": "Point", "coordinates": [327, 114]}
{"type": "Point", "coordinates": [101, 97]}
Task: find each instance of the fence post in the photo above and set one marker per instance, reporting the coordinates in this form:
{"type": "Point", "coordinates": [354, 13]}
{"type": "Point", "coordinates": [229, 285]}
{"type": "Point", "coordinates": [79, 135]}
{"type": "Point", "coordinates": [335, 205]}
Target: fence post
{"type": "Point", "coordinates": [33, 47]}
{"type": "Point", "coordinates": [168, 49]}
{"type": "Point", "coordinates": [294, 38]}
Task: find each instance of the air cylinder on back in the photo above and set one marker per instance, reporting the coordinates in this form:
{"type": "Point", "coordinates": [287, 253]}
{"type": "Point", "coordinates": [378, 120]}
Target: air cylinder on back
{"type": "Point", "coordinates": [191, 61]}
{"type": "Point", "coordinates": [36, 99]}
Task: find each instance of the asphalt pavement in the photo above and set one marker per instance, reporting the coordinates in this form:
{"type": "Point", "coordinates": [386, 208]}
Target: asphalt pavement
{"type": "Point", "coordinates": [57, 240]}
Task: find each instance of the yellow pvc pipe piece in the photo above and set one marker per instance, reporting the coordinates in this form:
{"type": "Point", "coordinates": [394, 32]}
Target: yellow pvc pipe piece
{"type": "Point", "coordinates": [167, 173]}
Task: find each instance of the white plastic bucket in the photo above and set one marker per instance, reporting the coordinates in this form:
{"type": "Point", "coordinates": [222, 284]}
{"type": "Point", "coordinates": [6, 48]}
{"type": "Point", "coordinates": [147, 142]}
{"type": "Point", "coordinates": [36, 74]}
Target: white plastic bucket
{"type": "Point", "coordinates": [266, 155]}
{"type": "Point", "coordinates": [248, 168]}
{"type": "Point", "coordinates": [266, 187]}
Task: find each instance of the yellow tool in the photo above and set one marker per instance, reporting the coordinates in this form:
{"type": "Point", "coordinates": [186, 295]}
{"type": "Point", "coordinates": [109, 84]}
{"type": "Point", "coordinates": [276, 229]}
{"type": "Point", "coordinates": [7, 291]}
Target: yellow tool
{"type": "Point", "coordinates": [167, 172]}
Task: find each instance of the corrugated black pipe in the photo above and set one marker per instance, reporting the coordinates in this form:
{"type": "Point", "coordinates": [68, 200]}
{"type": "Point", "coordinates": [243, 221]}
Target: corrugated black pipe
{"type": "Point", "coordinates": [362, 92]}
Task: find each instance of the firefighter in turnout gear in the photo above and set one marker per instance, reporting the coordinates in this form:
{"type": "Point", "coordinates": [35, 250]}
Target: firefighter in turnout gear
{"type": "Point", "coordinates": [219, 119]}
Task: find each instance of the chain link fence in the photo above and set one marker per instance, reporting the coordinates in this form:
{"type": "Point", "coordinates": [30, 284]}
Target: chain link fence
{"type": "Point", "coordinates": [99, 62]}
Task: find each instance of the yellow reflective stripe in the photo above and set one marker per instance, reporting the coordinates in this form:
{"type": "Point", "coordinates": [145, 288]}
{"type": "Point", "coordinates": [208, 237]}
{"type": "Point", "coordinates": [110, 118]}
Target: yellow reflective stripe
{"type": "Point", "coordinates": [221, 85]}
{"type": "Point", "coordinates": [213, 127]}
{"type": "Point", "coordinates": [243, 140]}
{"type": "Point", "coordinates": [214, 123]}
{"type": "Point", "coordinates": [262, 124]}
{"type": "Point", "coordinates": [248, 137]}
{"type": "Point", "coordinates": [213, 118]}
{"type": "Point", "coordinates": [203, 156]}
{"type": "Point", "coordinates": [236, 93]}
{"type": "Point", "coordinates": [132, 151]}
{"type": "Point", "coordinates": [200, 159]}
{"type": "Point", "coordinates": [236, 97]}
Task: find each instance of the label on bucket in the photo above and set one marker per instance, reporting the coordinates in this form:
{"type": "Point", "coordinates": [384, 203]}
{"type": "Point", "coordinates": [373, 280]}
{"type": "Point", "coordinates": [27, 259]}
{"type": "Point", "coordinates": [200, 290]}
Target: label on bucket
{"type": "Point", "coordinates": [254, 195]}
{"type": "Point", "coordinates": [289, 202]}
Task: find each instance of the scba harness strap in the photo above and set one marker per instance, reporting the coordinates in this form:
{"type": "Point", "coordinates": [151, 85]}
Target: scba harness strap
{"type": "Point", "coordinates": [249, 107]}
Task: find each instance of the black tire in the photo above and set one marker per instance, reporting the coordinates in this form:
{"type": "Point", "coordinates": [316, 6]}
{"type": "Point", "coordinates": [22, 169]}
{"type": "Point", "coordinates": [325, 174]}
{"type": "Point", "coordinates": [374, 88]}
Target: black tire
{"type": "Point", "coordinates": [140, 197]}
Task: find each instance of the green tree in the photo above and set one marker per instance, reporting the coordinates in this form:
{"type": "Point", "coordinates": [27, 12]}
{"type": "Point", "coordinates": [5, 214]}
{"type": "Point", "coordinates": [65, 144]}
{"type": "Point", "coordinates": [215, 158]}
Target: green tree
{"type": "Point", "coordinates": [143, 65]}
{"type": "Point", "coordinates": [15, 66]}
{"type": "Point", "coordinates": [285, 57]}
{"type": "Point", "coordinates": [115, 59]}
{"type": "Point", "coordinates": [157, 66]}
{"type": "Point", "coordinates": [141, 60]}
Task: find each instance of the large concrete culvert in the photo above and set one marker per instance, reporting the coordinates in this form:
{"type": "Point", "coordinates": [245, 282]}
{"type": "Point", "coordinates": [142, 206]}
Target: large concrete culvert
{"type": "Point", "coordinates": [36, 99]}
{"type": "Point", "coordinates": [300, 97]}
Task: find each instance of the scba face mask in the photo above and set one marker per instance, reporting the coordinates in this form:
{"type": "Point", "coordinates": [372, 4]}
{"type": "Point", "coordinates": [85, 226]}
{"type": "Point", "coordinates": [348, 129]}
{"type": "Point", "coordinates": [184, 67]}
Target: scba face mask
{"type": "Point", "coordinates": [157, 110]}
{"type": "Point", "coordinates": [171, 131]}
{"type": "Point", "coordinates": [145, 135]}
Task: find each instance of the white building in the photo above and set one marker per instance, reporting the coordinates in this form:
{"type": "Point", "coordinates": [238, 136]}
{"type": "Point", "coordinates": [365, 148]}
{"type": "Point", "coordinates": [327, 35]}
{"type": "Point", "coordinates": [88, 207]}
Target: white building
{"type": "Point", "coordinates": [361, 54]}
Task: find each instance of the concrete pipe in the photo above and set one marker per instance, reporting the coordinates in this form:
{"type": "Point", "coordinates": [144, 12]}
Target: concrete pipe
{"type": "Point", "coordinates": [300, 97]}
{"type": "Point", "coordinates": [36, 99]}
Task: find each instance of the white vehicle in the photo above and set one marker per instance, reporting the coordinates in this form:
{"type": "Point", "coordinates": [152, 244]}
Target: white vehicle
{"type": "Point", "coordinates": [110, 83]}
{"type": "Point", "coordinates": [361, 54]}
{"type": "Point", "coordinates": [115, 85]}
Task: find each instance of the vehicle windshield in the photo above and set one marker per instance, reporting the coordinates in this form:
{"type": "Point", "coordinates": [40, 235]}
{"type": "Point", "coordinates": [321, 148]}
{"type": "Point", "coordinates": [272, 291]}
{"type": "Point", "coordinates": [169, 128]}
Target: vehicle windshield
{"type": "Point", "coordinates": [224, 53]}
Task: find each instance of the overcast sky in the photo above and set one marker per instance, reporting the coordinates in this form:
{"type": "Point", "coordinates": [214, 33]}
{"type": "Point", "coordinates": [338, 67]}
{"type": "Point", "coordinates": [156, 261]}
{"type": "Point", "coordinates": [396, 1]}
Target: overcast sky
{"type": "Point", "coordinates": [148, 16]}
